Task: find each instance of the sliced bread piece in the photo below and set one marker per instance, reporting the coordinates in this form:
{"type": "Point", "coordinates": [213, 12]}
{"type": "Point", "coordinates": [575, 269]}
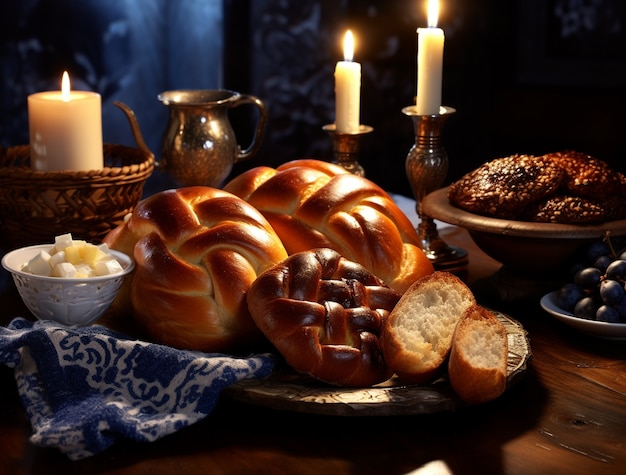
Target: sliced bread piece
{"type": "Point", "coordinates": [477, 368]}
{"type": "Point", "coordinates": [417, 335]}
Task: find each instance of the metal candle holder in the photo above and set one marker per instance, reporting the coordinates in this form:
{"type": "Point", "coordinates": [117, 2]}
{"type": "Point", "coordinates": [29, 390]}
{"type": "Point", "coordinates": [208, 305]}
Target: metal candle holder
{"type": "Point", "coordinates": [346, 147]}
{"type": "Point", "coordinates": [426, 169]}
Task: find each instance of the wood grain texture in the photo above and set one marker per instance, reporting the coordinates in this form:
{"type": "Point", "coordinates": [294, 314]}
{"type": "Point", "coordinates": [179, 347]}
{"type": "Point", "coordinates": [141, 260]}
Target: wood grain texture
{"type": "Point", "coordinates": [567, 415]}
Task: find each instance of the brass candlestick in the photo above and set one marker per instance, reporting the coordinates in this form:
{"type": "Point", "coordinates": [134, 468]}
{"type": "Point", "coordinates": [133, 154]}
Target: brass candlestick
{"type": "Point", "coordinates": [346, 147]}
{"type": "Point", "coordinates": [426, 169]}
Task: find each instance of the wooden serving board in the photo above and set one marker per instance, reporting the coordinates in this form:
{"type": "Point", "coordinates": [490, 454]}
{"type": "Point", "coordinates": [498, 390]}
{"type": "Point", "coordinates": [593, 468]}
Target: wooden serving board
{"type": "Point", "coordinates": [289, 391]}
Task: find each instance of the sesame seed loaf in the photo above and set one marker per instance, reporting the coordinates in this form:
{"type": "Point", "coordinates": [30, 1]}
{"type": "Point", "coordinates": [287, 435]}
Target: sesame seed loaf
{"type": "Point", "coordinates": [477, 368]}
{"type": "Point", "coordinates": [587, 176]}
{"type": "Point", "coordinates": [578, 209]}
{"type": "Point", "coordinates": [560, 187]}
{"type": "Point", "coordinates": [501, 187]}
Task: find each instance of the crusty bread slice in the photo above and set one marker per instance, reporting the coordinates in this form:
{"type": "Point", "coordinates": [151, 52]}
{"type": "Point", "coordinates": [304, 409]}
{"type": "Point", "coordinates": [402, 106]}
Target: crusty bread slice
{"type": "Point", "coordinates": [477, 368]}
{"type": "Point", "coordinates": [417, 335]}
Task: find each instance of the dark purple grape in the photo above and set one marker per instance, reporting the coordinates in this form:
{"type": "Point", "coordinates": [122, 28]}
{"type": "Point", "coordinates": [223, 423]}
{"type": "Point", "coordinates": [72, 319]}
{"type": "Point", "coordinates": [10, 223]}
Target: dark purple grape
{"type": "Point", "coordinates": [602, 262]}
{"type": "Point", "coordinates": [616, 270]}
{"type": "Point", "coordinates": [588, 278]}
{"type": "Point", "coordinates": [597, 249]}
{"type": "Point", "coordinates": [611, 292]}
{"type": "Point", "coordinates": [568, 295]}
{"type": "Point", "coordinates": [621, 309]}
{"type": "Point", "coordinates": [586, 308]}
{"type": "Point", "coordinates": [609, 314]}
{"type": "Point", "coordinates": [577, 267]}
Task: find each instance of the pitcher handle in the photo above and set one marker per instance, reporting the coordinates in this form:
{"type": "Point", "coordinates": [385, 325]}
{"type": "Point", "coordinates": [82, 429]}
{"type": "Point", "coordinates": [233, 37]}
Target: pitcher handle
{"type": "Point", "coordinates": [254, 146]}
{"type": "Point", "coordinates": [134, 125]}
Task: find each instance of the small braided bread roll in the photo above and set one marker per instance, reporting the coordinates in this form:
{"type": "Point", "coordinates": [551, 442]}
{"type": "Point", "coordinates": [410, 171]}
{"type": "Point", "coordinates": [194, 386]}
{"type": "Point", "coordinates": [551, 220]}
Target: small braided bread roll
{"type": "Point", "coordinates": [324, 315]}
{"type": "Point", "coordinates": [313, 204]}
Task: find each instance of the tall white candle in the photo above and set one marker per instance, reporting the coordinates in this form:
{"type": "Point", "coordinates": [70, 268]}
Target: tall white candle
{"type": "Point", "coordinates": [429, 63]}
{"type": "Point", "coordinates": [347, 90]}
{"type": "Point", "coordinates": [65, 129]}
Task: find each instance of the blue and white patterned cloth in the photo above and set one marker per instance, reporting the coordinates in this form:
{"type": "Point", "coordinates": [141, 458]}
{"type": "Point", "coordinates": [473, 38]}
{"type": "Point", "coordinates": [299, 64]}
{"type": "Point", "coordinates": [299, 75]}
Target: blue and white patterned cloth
{"type": "Point", "coordinates": [84, 388]}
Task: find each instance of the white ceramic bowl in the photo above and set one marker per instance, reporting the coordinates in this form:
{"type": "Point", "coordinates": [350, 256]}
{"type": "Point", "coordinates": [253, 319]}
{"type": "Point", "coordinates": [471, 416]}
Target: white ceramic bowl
{"type": "Point", "coordinates": [611, 331]}
{"type": "Point", "coordinates": [69, 301]}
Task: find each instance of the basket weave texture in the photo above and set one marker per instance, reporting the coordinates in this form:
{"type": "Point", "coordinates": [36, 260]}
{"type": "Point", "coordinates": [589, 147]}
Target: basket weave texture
{"type": "Point", "coordinates": [37, 206]}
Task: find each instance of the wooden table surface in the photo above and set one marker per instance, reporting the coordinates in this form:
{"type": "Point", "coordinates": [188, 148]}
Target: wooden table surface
{"type": "Point", "coordinates": [567, 416]}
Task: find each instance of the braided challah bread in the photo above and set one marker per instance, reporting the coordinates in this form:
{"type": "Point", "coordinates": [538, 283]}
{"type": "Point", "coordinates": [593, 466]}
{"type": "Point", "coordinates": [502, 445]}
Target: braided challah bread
{"type": "Point", "coordinates": [324, 314]}
{"type": "Point", "coordinates": [197, 251]}
{"type": "Point", "coordinates": [314, 204]}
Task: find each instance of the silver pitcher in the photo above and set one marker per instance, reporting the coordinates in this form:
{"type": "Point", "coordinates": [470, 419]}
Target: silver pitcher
{"type": "Point", "coordinates": [199, 145]}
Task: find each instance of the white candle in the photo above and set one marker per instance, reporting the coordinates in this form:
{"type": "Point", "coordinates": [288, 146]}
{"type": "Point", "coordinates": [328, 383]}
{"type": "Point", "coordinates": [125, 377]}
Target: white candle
{"type": "Point", "coordinates": [347, 90]}
{"type": "Point", "coordinates": [429, 63]}
{"type": "Point", "coordinates": [65, 129]}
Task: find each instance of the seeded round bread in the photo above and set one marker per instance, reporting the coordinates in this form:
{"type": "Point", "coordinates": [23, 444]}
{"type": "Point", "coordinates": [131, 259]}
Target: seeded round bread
{"type": "Point", "coordinates": [417, 335]}
{"type": "Point", "coordinates": [504, 186]}
{"type": "Point", "coordinates": [560, 187]}
{"type": "Point", "coordinates": [587, 176]}
{"type": "Point", "coordinates": [477, 368]}
{"type": "Point", "coordinates": [575, 209]}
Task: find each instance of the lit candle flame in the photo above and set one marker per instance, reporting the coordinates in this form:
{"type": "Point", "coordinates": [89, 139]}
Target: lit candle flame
{"type": "Point", "coordinates": [348, 46]}
{"type": "Point", "coordinates": [65, 86]}
{"type": "Point", "coordinates": [433, 13]}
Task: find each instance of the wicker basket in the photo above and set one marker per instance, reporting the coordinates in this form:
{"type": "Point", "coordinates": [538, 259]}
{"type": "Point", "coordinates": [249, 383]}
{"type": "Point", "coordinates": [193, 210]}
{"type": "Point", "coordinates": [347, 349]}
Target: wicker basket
{"type": "Point", "coordinates": [37, 206]}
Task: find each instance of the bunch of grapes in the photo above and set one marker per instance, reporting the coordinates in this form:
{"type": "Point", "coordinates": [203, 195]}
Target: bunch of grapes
{"type": "Point", "coordinates": [598, 289]}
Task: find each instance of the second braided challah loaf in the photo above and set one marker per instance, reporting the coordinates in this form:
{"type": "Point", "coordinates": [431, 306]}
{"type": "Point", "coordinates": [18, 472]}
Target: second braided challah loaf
{"type": "Point", "coordinates": [314, 204]}
{"type": "Point", "coordinates": [325, 314]}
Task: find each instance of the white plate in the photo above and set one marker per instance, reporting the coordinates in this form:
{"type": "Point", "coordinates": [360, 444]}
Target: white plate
{"type": "Point", "coordinates": [612, 331]}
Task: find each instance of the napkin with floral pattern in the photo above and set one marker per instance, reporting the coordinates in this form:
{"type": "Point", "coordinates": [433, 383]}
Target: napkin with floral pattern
{"type": "Point", "coordinates": [84, 388]}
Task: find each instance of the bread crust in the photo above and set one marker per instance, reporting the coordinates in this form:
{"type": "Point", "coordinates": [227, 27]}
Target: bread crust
{"type": "Point", "coordinates": [324, 315]}
{"type": "Point", "coordinates": [417, 336]}
{"type": "Point", "coordinates": [586, 176]}
{"type": "Point", "coordinates": [313, 204]}
{"type": "Point", "coordinates": [477, 368]}
{"type": "Point", "coordinates": [197, 251]}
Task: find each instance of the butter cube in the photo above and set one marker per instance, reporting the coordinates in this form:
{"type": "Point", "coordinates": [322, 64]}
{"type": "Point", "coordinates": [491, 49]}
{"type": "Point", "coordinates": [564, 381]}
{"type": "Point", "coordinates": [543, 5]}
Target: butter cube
{"type": "Point", "coordinates": [90, 254]}
{"type": "Point", "coordinates": [39, 264]}
{"type": "Point", "coordinates": [64, 269]}
{"type": "Point", "coordinates": [72, 254]}
{"type": "Point", "coordinates": [56, 258]}
{"type": "Point", "coordinates": [83, 270]}
{"type": "Point", "coordinates": [107, 266]}
{"type": "Point", "coordinates": [75, 258]}
{"type": "Point", "coordinates": [62, 241]}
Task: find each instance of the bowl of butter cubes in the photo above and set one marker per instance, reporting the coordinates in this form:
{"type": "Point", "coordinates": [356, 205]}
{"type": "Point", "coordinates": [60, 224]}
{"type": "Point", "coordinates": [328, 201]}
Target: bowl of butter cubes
{"type": "Point", "coordinates": [71, 281]}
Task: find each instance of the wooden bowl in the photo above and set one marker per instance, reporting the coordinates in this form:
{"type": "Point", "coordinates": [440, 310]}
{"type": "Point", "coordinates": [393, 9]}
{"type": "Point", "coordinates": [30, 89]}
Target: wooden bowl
{"type": "Point", "coordinates": [521, 246]}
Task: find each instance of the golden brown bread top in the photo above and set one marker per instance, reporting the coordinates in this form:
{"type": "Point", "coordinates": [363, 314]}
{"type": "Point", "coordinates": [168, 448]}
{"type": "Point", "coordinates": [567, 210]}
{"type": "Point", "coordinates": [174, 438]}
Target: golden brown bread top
{"type": "Point", "coordinates": [197, 251]}
{"type": "Point", "coordinates": [324, 314]}
{"type": "Point", "coordinates": [313, 204]}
